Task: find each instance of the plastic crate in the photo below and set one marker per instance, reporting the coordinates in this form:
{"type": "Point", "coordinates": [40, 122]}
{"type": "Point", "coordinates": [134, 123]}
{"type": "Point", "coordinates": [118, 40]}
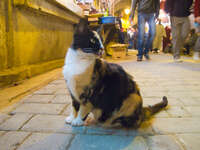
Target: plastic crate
{"type": "Point", "coordinates": [106, 20]}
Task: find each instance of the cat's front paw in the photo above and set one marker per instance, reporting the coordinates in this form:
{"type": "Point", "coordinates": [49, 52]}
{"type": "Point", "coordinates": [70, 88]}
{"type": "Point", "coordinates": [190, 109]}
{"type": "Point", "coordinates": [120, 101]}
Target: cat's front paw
{"type": "Point", "coordinates": [77, 122]}
{"type": "Point", "coordinates": [69, 119]}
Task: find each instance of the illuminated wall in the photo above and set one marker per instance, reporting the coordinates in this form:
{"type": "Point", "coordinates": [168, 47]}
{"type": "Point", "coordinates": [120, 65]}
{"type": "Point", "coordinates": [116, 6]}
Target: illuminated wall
{"type": "Point", "coordinates": [34, 37]}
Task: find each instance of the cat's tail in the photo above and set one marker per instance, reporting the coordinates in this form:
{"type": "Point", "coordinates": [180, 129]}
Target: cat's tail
{"type": "Point", "coordinates": [151, 110]}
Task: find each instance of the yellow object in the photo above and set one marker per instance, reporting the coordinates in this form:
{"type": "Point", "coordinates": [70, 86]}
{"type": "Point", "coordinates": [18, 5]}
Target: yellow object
{"type": "Point", "coordinates": [125, 23]}
{"type": "Point", "coordinates": [95, 15]}
{"type": "Point", "coordinates": [33, 41]}
{"type": "Point", "coordinates": [117, 50]}
{"type": "Point", "coordinates": [109, 50]}
{"type": "Point", "coordinates": [160, 32]}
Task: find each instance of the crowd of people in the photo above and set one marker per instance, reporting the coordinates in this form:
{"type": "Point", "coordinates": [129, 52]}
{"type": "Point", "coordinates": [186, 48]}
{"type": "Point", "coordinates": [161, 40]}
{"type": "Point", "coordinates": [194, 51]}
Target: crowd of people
{"type": "Point", "coordinates": [177, 38]}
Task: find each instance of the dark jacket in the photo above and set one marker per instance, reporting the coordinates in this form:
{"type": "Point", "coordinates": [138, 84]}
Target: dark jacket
{"type": "Point", "coordinates": [178, 8]}
{"type": "Point", "coordinates": [145, 6]}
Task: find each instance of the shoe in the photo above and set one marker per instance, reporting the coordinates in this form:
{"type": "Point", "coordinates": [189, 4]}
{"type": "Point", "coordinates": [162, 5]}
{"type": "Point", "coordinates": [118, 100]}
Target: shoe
{"type": "Point", "coordinates": [147, 57]}
{"type": "Point", "coordinates": [178, 60]}
{"type": "Point", "coordinates": [139, 58]}
{"type": "Point", "coordinates": [196, 56]}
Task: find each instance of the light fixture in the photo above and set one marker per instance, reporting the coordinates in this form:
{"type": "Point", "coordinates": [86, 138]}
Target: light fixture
{"type": "Point", "coordinates": [127, 11]}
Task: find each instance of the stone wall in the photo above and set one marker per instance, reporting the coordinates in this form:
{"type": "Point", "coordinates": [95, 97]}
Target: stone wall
{"type": "Point", "coordinates": [3, 37]}
{"type": "Point", "coordinates": [34, 37]}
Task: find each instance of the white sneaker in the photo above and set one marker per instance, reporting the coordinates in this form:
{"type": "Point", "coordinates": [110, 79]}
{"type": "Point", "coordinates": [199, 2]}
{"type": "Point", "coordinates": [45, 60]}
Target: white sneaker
{"type": "Point", "coordinates": [196, 56]}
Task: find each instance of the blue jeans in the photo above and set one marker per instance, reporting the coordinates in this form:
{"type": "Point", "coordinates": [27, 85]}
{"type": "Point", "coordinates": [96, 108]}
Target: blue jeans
{"type": "Point", "coordinates": [145, 40]}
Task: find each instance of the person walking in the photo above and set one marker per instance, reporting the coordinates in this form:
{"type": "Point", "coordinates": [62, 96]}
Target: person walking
{"type": "Point", "coordinates": [179, 11]}
{"type": "Point", "coordinates": [158, 40]}
{"type": "Point", "coordinates": [148, 11]}
{"type": "Point", "coordinates": [197, 22]}
{"type": "Point", "coordinates": [167, 39]}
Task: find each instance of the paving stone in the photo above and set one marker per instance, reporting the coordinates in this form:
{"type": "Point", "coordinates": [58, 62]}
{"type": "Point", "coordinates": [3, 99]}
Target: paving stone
{"type": "Point", "coordinates": [156, 89]}
{"type": "Point", "coordinates": [68, 110]}
{"type": "Point", "coordinates": [162, 114]}
{"type": "Point", "coordinates": [190, 141]}
{"type": "Point", "coordinates": [144, 129]}
{"type": "Point", "coordinates": [49, 89]}
{"type": "Point", "coordinates": [163, 142]}
{"type": "Point", "coordinates": [45, 91]}
{"type": "Point", "coordinates": [11, 140]}
{"type": "Point", "coordinates": [176, 125]}
{"type": "Point", "coordinates": [178, 88]}
{"type": "Point", "coordinates": [99, 130]}
{"type": "Point", "coordinates": [50, 86]}
{"type": "Point", "coordinates": [178, 94]}
{"type": "Point", "coordinates": [3, 117]}
{"type": "Point", "coordinates": [34, 108]}
{"type": "Point", "coordinates": [51, 123]}
{"type": "Point", "coordinates": [194, 111]}
{"type": "Point", "coordinates": [62, 91]}
{"type": "Point", "coordinates": [2, 132]}
{"type": "Point", "coordinates": [26, 97]}
{"type": "Point", "coordinates": [98, 142]}
{"type": "Point", "coordinates": [15, 122]}
{"type": "Point", "coordinates": [177, 111]}
{"type": "Point", "coordinates": [61, 86]}
{"type": "Point", "coordinates": [150, 93]}
{"type": "Point", "coordinates": [196, 98]}
{"type": "Point", "coordinates": [60, 81]}
{"type": "Point", "coordinates": [46, 141]}
{"type": "Point", "coordinates": [189, 101]}
{"type": "Point", "coordinates": [195, 94]}
{"type": "Point", "coordinates": [62, 99]}
{"type": "Point", "coordinates": [191, 87]}
{"type": "Point", "coordinates": [151, 101]}
{"type": "Point", "coordinates": [174, 102]}
{"type": "Point", "coordinates": [39, 99]}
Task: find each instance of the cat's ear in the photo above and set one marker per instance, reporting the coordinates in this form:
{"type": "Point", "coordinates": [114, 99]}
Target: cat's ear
{"type": "Point", "coordinates": [82, 26]}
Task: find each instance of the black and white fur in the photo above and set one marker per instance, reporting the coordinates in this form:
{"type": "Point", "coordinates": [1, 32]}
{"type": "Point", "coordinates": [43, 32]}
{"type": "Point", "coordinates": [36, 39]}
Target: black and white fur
{"type": "Point", "coordinates": [101, 88]}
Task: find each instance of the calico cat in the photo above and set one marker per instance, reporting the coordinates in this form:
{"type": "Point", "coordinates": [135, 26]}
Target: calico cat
{"type": "Point", "coordinates": [102, 88]}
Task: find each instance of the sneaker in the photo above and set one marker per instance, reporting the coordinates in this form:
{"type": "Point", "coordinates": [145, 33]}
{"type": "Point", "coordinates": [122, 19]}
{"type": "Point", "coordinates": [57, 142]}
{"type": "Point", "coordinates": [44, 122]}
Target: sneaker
{"type": "Point", "coordinates": [147, 57]}
{"type": "Point", "coordinates": [139, 58]}
{"type": "Point", "coordinates": [196, 56]}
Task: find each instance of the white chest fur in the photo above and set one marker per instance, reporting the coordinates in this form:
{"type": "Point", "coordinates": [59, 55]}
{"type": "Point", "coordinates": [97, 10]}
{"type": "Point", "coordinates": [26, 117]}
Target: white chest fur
{"type": "Point", "coordinates": [78, 70]}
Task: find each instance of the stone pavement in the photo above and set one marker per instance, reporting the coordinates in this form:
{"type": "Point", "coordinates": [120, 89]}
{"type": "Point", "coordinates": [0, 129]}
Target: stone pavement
{"type": "Point", "coordinates": [37, 121]}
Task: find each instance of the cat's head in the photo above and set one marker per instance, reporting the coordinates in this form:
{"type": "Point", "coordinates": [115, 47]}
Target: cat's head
{"type": "Point", "coordinates": [86, 40]}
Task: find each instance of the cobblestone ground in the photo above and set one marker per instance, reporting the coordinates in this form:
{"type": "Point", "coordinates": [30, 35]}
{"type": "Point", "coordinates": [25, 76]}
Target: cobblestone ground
{"type": "Point", "coordinates": [37, 122]}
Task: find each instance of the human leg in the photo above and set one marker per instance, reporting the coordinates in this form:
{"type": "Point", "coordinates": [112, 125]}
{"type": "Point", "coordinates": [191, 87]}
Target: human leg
{"type": "Point", "coordinates": [176, 36]}
{"type": "Point", "coordinates": [151, 34]}
{"type": "Point", "coordinates": [185, 29]}
{"type": "Point", "coordinates": [141, 31]}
